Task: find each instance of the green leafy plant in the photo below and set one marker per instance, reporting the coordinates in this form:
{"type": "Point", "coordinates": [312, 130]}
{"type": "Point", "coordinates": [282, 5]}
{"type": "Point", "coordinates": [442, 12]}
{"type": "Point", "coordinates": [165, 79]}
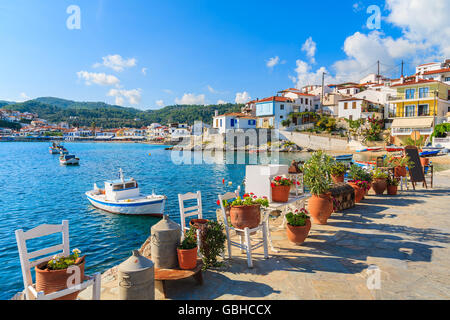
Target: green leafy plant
{"type": "Point", "coordinates": [379, 174]}
{"type": "Point", "coordinates": [190, 239]}
{"type": "Point", "coordinates": [248, 199]}
{"type": "Point", "coordinates": [59, 263]}
{"type": "Point", "coordinates": [316, 173]}
{"type": "Point", "coordinates": [213, 243]}
{"type": "Point", "coordinates": [393, 181]}
{"type": "Point", "coordinates": [392, 162]}
{"type": "Point", "coordinates": [338, 169]}
{"type": "Point", "coordinates": [419, 143]}
{"type": "Point", "coordinates": [297, 219]}
{"type": "Point", "coordinates": [357, 173]}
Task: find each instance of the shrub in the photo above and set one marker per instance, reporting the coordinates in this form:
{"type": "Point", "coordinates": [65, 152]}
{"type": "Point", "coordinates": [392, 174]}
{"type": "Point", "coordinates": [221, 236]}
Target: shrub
{"type": "Point", "coordinates": [338, 169]}
{"type": "Point", "coordinates": [297, 219]}
{"type": "Point", "coordinates": [316, 173]}
{"type": "Point", "coordinates": [213, 243]}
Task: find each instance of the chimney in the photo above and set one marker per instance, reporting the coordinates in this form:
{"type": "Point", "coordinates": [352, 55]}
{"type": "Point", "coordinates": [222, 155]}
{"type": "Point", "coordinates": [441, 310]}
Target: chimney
{"type": "Point", "coordinates": [402, 79]}
{"type": "Point", "coordinates": [216, 113]}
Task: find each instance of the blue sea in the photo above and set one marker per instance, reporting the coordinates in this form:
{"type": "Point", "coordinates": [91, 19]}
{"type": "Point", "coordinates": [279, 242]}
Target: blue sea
{"type": "Point", "coordinates": [35, 189]}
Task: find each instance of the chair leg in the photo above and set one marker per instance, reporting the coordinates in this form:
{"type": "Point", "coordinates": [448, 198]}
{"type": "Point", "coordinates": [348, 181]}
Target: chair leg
{"type": "Point", "coordinates": [266, 249]}
{"type": "Point", "coordinates": [228, 243]}
{"type": "Point", "coordinates": [241, 242]}
{"type": "Point", "coordinates": [97, 286]}
{"type": "Point", "coordinates": [249, 248]}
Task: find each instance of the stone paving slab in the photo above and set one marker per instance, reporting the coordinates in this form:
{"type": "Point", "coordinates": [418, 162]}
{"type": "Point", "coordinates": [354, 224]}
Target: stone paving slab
{"type": "Point", "coordinates": [407, 237]}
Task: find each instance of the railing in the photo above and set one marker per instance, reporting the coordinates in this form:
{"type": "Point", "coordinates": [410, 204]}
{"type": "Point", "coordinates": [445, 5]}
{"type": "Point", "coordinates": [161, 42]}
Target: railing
{"type": "Point", "coordinates": [404, 115]}
{"type": "Point", "coordinates": [407, 131]}
{"type": "Point", "coordinates": [416, 95]}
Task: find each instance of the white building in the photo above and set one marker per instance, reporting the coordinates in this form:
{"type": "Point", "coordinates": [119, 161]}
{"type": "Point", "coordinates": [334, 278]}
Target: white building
{"type": "Point", "coordinates": [233, 120]}
{"type": "Point", "coordinates": [379, 94]}
{"type": "Point", "coordinates": [355, 108]}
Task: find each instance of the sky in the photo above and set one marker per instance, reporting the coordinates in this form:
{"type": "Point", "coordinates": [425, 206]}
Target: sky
{"type": "Point", "coordinates": [149, 54]}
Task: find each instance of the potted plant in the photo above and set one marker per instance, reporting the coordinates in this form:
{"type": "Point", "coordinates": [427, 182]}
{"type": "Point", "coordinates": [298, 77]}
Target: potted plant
{"type": "Point", "coordinates": [53, 275]}
{"type": "Point", "coordinates": [246, 211]}
{"type": "Point", "coordinates": [379, 181]}
{"type": "Point", "coordinates": [317, 178]}
{"type": "Point", "coordinates": [280, 187]}
{"type": "Point", "coordinates": [392, 185]}
{"type": "Point", "coordinates": [337, 171]}
{"type": "Point", "coordinates": [399, 164]}
{"type": "Point", "coordinates": [187, 251]}
{"type": "Point", "coordinates": [213, 243]}
{"type": "Point", "coordinates": [298, 226]}
{"type": "Point", "coordinates": [360, 181]}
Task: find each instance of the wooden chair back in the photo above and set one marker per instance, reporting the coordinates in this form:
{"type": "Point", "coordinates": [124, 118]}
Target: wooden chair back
{"type": "Point", "coordinates": [44, 254]}
{"type": "Point", "coordinates": [186, 212]}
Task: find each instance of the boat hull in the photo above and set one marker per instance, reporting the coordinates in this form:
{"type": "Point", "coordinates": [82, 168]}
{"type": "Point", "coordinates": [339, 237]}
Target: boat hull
{"type": "Point", "coordinates": [151, 208]}
{"type": "Point", "coordinates": [71, 162]}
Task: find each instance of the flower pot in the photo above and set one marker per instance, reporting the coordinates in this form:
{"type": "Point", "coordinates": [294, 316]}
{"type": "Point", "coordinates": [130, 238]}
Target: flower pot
{"type": "Point", "coordinates": [400, 171]}
{"type": "Point", "coordinates": [320, 208]}
{"type": "Point", "coordinates": [359, 192]}
{"type": "Point", "coordinates": [379, 185]}
{"type": "Point", "coordinates": [51, 281]}
{"type": "Point", "coordinates": [187, 258]}
{"type": "Point", "coordinates": [337, 179]}
{"type": "Point", "coordinates": [280, 193]}
{"type": "Point", "coordinates": [199, 223]}
{"type": "Point", "coordinates": [392, 190]}
{"type": "Point", "coordinates": [424, 161]}
{"type": "Point", "coordinates": [245, 216]}
{"type": "Point", "coordinates": [298, 234]}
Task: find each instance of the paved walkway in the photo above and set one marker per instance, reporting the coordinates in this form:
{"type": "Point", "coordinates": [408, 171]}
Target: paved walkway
{"type": "Point", "coordinates": [406, 237]}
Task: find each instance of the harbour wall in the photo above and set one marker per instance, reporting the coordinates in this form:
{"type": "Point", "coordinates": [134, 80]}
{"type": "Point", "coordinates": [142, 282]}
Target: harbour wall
{"type": "Point", "coordinates": [310, 141]}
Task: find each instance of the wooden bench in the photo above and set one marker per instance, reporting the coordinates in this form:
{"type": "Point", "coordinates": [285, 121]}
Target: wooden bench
{"type": "Point", "coordinates": [163, 275]}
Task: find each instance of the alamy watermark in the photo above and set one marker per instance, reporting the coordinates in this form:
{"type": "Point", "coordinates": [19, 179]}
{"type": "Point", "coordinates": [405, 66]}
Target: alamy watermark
{"type": "Point", "coordinates": [374, 21]}
{"type": "Point", "coordinates": [73, 22]}
{"type": "Point", "coordinates": [373, 277]}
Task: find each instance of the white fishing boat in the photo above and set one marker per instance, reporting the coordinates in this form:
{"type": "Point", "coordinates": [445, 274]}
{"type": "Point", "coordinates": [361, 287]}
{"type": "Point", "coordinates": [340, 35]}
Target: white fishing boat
{"type": "Point", "coordinates": [69, 159]}
{"type": "Point", "coordinates": [55, 148]}
{"type": "Point", "coordinates": [123, 196]}
{"type": "Point", "coordinates": [63, 151]}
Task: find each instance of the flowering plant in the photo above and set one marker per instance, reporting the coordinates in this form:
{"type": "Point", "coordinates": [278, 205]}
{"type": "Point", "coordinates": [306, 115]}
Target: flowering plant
{"type": "Point", "coordinates": [281, 181]}
{"type": "Point", "coordinates": [248, 199]}
{"type": "Point", "coordinates": [361, 184]}
{"type": "Point", "coordinates": [59, 263]}
{"type": "Point", "coordinates": [297, 219]}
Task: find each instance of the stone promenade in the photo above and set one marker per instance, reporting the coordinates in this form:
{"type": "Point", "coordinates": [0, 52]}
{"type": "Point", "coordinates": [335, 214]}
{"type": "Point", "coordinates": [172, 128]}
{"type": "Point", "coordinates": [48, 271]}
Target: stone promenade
{"type": "Point", "coordinates": [405, 238]}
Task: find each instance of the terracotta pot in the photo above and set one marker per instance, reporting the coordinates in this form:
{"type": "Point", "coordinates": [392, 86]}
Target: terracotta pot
{"type": "Point", "coordinates": [424, 161]}
{"type": "Point", "coordinates": [199, 223]}
{"type": "Point", "coordinates": [298, 234]}
{"type": "Point", "coordinates": [400, 171]}
{"type": "Point", "coordinates": [359, 192]}
{"type": "Point", "coordinates": [392, 190]}
{"type": "Point", "coordinates": [320, 208]}
{"type": "Point", "coordinates": [187, 258]}
{"type": "Point", "coordinates": [245, 216]}
{"type": "Point", "coordinates": [51, 281]}
{"type": "Point", "coordinates": [280, 193]}
{"type": "Point", "coordinates": [337, 179]}
{"type": "Point", "coordinates": [379, 185]}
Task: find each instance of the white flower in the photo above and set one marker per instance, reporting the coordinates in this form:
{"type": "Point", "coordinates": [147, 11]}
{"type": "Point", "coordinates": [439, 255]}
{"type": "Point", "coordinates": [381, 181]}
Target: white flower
{"type": "Point", "coordinates": [76, 250]}
{"type": "Point", "coordinates": [230, 183]}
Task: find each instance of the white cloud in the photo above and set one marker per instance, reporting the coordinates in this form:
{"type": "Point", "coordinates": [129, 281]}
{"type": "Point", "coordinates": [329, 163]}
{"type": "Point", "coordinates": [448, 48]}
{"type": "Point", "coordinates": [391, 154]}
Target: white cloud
{"type": "Point", "coordinates": [168, 91]}
{"type": "Point", "coordinates": [221, 102]}
{"type": "Point", "coordinates": [160, 103]}
{"type": "Point", "coordinates": [306, 76]}
{"type": "Point", "coordinates": [272, 62]}
{"type": "Point", "coordinates": [144, 71]}
{"type": "Point", "coordinates": [24, 96]}
{"type": "Point", "coordinates": [133, 96]}
{"type": "Point", "coordinates": [211, 89]}
{"type": "Point", "coordinates": [242, 97]}
{"type": "Point", "coordinates": [98, 78]}
{"type": "Point", "coordinates": [310, 48]}
{"type": "Point", "coordinates": [116, 62]}
{"type": "Point", "coordinates": [190, 98]}
{"type": "Point", "coordinates": [357, 6]}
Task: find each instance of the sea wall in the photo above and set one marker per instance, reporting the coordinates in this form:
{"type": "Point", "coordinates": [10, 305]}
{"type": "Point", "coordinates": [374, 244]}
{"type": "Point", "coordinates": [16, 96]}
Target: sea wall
{"type": "Point", "coordinates": [315, 142]}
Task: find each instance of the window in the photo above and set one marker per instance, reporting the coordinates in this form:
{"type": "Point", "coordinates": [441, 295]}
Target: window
{"type": "Point", "coordinates": [410, 111]}
{"type": "Point", "coordinates": [217, 123]}
{"type": "Point", "coordinates": [306, 100]}
{"type": "Point", "coordinates": [251, 122]}
{"type": "Point", "coordinates": [281, 106]}
{"type": "Point", "coordinates": [423, 110]}
{"type": "Point", "coordinates": [129, 185]}
{"type": "Point", "coordinates": [301, 100]}
{"type": "Point", "coordinates": [409, 93]}
{"type": "Point", "coordinates": [345, 105]}
{"type": "Point", "coordinates": [232, 122]}
{"type": "Point", "coordinates": [220, 122]}
{"type": "Point", "coordinates": [281, 117]}
{"type": "Point", "coordinates": [354, 105]}
{"type": "Point", "coordinates": [447, 79]}
{"type": "Point", "coordinates": [348, 91]}
{"type": "Point", "coordinates": [423, 92]}
{"type": "Point", "coordinates": [118, 187]}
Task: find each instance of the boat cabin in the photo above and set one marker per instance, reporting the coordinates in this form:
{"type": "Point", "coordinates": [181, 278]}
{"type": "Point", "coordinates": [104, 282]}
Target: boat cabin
{"type": "Point", "coordinates": [68, 156]}
{"type": "Point", "coordinates": [121, 189]}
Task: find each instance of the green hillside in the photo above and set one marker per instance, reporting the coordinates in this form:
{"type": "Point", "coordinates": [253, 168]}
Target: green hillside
{"type": "Point", "coordinates": [110, 116]}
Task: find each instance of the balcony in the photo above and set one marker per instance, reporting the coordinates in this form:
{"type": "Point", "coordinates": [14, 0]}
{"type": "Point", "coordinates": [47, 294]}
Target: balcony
{"type": "Point", "coordinates": [408, 131]}
{"type": "Point", "coordinates": [415, 96]}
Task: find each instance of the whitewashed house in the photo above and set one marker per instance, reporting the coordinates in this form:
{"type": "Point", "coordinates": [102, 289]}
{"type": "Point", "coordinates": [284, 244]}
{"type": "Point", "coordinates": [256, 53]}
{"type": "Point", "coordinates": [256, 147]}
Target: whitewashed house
{"type": "Point", "coordinates": [355, 109]}
{"type": "Point", "coordinates": [233, 120]}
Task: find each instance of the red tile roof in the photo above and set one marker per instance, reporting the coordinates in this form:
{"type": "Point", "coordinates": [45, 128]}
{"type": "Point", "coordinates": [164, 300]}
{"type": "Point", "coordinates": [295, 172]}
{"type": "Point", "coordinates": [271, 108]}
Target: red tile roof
{"type": "Point", "coordinates": [437, 71]}
{"type": "Point", "coordinates": [408, 83]}
{"type": "Point", "coordinates": [275, 98]}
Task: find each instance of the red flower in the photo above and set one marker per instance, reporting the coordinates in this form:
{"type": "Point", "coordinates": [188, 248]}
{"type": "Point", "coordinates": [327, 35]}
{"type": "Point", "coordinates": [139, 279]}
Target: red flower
{"type": "Point", "coordinates": [272, 185]}
{"type": "Point", "coordinates": [246, 195]}
{"type": "Point", "coordinates": [218, 202]}
{"type": "Point", "coordinates": [277, 178]}
{"type": "Point", "coordinates": [298, 183]}
{"type": "Point", "coordinates": [223, 181]}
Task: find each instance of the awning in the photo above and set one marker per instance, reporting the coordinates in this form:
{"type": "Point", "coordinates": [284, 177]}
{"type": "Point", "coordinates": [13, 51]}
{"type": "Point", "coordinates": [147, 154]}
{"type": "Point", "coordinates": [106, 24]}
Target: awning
{"type": "Point", "coordinates": [413, 122]}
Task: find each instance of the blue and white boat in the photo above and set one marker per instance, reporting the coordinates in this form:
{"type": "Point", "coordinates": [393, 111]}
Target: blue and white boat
{"type": "Point", "coordinates": [69, 160]}
{"type": "Point", "coordinates": [429, 153]}
{"type": "Point", "coordinates": [344, 157]}
{"type": "Point", "coordinates": [122, 196]}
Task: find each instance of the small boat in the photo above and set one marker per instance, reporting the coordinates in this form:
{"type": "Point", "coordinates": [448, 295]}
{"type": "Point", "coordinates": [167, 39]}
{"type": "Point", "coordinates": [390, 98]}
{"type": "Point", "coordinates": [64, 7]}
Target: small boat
{"type": "Point", "coordinates": [393, 148]}
{"type": "Point", "coordinates": [362, 150]}
{"type": "Point", "coordinates": [374, 149]}
{"type": "Point", "coordinates": [344, 157]}
{"type": "Point", "coordinates": [55, 148]}
{"type": "Point", "coordinates": [365, 164]}
{"type": "Point", "coordinates": [63, 151]}
{"type": "Point", "coordinates": [430, 153]}
{"type": "Point", "coordinates": [69, 160]}
{"type": "Point", "coordinates": [123, 196]}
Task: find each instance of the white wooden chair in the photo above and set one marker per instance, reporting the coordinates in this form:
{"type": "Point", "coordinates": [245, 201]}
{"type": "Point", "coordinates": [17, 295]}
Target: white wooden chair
{"type": "Point", "coordinates": [190, 211]}
{"type": "Point", "coordinates": [26, 264]}
{"type": "Point", "coordinates": [245, 241]}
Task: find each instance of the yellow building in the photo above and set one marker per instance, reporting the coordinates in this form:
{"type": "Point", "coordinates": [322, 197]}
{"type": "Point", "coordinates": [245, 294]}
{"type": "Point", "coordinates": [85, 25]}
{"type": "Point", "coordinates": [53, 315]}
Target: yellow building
{"type": "Point", "coordinates": [419, 105]}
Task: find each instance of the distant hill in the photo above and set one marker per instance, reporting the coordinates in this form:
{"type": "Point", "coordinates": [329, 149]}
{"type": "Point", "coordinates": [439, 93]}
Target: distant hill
{"type": "Point", "coordinates": [111, 116]}
{"type": "Point", "coordinates": [5, 103]}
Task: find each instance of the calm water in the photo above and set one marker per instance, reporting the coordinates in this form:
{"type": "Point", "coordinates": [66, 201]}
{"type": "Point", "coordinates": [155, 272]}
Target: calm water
{"type": "Point", "coordinates": [36, 189]}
